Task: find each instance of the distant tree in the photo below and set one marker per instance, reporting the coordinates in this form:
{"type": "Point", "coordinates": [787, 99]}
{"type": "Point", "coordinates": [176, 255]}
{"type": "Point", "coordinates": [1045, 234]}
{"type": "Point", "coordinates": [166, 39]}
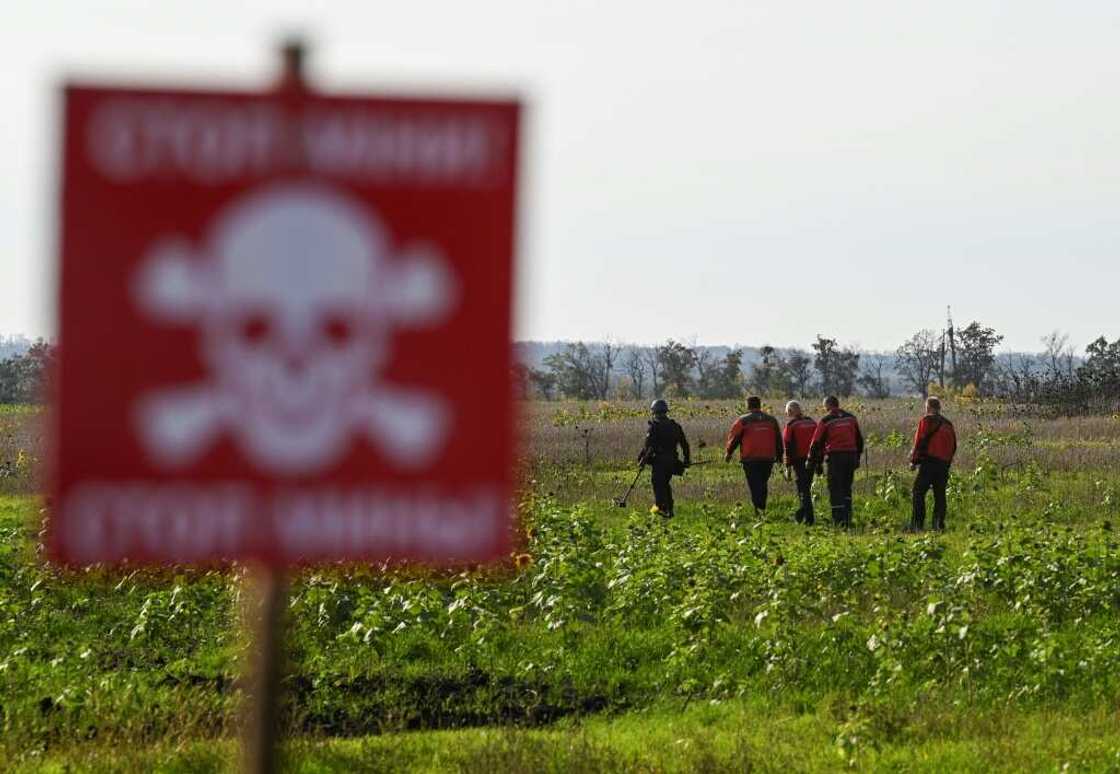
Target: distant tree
{"type": "Point", "coordinates": [651, 356]}
{"type": "Point", "coordinates": [606, 358]}
{"type": "Point", "coordinates": [519, 376]}
{"type": "Point", "coordinates": [918, 359]}
{"type": "Point", "coordinates": [1016, 377]}
{"type": "Point", "coordinates": [634, 365]}
{"type": "Point", "coordinates": [23, 378]}
{"type": "Point", "coordinates": [766, 374]}
{"type": "Point", "coordinates": [1101, 369]}
{"type": "Point", "coordinates": [796, 372]}
{"type": "Point", "coordinates": [11, 346]}
{"type": "Point", "coordinates": [676, 361]}
{"type": "Point", "coordinates": [975, 347]}
{"type": "Point", "coordinates": [578, 373]}
{"type": "Point", "coordinates": [11, 379]}
{"type": "Point", "coordinates": [706, 363]}
{"type": "Point", "coordinates": [727, 376]}
{"type": "Point", "coordinates": [847, 371]}
{"type": "Point", "coordinates": [838, 368]}
{"type": "Point", "coordinates": [1058, 354]}
{"type": "Point", "coordinates": [1052, 379]}
{"type": "Point", "coordinates": [872, 381]}
{"type": "Point", "coordinates": [544, 382]}
{"type": "Point", "coordinates": [583, 372]}
{"type": "Point", "coordinates": [824, 361]}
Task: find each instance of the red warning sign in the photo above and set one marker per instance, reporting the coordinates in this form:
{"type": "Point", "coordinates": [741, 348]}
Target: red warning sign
{"type": "Point", "coordinates": [284, 328]}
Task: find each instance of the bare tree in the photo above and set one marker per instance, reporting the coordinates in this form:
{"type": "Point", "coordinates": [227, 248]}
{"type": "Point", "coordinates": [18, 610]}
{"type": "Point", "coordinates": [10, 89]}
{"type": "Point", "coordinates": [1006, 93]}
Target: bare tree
{"type": "Point", "coordinates": [635, 367]}
{"type": "Point", "coordinates": [1058, 353]}
{"type": "Point", "coordinates": [918, 359]}
{"type": "Point", "coordinates": [707, 364]}
{"type": "Point", "coordinates": [872, 380]}
{"type": "Point", "coordinates": [765, 374]}
{"type": "Point", "coordinates": [653, 367]}
{"type": "Point", "coordinates": [797, 370]}
{"type": "Point", "coordinates": [608, 355]}
{"type": "Point", "coordinates": [1015, 375]}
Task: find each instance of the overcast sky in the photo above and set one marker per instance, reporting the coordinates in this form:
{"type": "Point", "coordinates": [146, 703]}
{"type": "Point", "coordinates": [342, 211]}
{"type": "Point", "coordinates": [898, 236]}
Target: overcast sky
{"type": "Point", "coordinates": [720, 171]}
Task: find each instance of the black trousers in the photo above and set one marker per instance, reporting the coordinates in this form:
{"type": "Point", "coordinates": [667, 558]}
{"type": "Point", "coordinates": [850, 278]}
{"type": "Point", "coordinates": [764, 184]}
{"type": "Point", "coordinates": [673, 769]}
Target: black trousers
{"type": "Point", "coordinates": [932, 474]}
{"type": "Point", "coordinates": [662, 480]}
{"type": "Point", "coordinates": [758, 481]}
{"type": "Point", "coordinates": [804, 481]}
{"type": "Point", "coordinates": [841, 473]}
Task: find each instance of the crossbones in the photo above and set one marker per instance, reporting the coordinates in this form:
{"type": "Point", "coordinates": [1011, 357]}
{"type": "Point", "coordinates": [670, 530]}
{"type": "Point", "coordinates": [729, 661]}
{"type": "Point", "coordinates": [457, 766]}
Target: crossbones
{"type": "Point", "coordinates": [295, 295]}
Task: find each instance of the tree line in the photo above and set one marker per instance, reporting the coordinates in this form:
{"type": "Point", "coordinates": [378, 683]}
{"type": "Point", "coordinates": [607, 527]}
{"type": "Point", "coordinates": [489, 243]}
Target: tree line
{"type": "Point", "coordinates": [952, 360]}
{"type": "Point", "coordinates": [1063, 382]}
{"type": "Point", "coordinates": [675, 369]}
{"type": "Point", "coordinates": [23, 375]}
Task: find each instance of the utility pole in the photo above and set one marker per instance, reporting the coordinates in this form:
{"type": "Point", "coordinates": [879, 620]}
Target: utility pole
{"type": "Point", "coordinates": [952, 345]}
{"type": "Point", "coordinates": [941, 362]}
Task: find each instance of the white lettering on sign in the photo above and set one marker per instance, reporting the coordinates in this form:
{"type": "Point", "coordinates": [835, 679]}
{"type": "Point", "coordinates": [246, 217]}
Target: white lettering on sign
{"type": "Point", "coordinates": [335, 521]}
{"type": "Point", "coordinates": [395, 147]}
{"type": "Point", "coordinates": [126, 518]}
{"type": "Point", "coordinates": [205, 521]}
{"type": "Point", "coordinates": [205, 142]}
{"type": "Point", "coordinates": [215, 142]}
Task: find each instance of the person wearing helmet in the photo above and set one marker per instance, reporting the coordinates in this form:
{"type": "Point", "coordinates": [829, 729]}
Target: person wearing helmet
{"type": "Point", "coordinates": [660, 452]}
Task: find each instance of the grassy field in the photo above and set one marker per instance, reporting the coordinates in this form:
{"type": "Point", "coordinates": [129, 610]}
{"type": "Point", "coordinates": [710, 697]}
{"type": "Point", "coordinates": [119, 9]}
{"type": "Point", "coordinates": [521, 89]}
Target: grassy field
{"type": "Point", "coordinates": [616, 641]}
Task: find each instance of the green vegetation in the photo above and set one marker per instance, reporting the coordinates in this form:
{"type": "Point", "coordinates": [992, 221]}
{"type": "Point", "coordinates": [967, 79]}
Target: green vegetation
{"type": "Point", "coordinates": [614, 640]}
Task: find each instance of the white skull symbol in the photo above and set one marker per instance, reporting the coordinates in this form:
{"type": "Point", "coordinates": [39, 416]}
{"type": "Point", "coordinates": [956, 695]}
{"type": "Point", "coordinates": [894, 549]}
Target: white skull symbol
{"type": "Point", "coordinates": [295, 297]}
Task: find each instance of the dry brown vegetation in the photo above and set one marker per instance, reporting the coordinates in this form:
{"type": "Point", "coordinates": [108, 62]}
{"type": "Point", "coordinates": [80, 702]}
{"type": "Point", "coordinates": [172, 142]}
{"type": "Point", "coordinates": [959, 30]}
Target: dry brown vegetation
{"type": "Point", "coordinates": [587, 449]}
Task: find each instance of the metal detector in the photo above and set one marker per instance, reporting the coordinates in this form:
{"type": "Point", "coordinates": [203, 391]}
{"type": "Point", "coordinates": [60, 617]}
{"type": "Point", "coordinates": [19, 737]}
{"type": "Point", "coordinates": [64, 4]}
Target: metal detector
{"type": "Point", "coordinates": [621, 501]}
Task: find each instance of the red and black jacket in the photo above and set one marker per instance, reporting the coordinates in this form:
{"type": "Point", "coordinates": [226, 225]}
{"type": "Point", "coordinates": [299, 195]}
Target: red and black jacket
{"type": "Point", "coordinates": [798, 436]}
{"type": "Point", "coordinates": [837, 433]}
{"type": "Point", "coordinates": [757, 436]}
{"type": "Point", "coordinates": [936, 439]}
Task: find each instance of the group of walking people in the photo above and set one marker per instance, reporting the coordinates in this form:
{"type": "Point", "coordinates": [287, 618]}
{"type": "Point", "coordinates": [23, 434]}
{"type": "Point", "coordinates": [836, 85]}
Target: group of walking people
{"type": "Point", "coordinates": [831, 446]}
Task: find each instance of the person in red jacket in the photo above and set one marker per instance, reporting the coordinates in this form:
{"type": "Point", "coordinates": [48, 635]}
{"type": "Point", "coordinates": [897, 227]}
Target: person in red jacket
{"type": "Point", "coordinates": [797, 437]}
{"type": "Point", "coordinates": [935, 445]}
{"type": "Point", "coordinates": [759, 440]}
{"type": "Point", "coordinates": [839, 440]}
